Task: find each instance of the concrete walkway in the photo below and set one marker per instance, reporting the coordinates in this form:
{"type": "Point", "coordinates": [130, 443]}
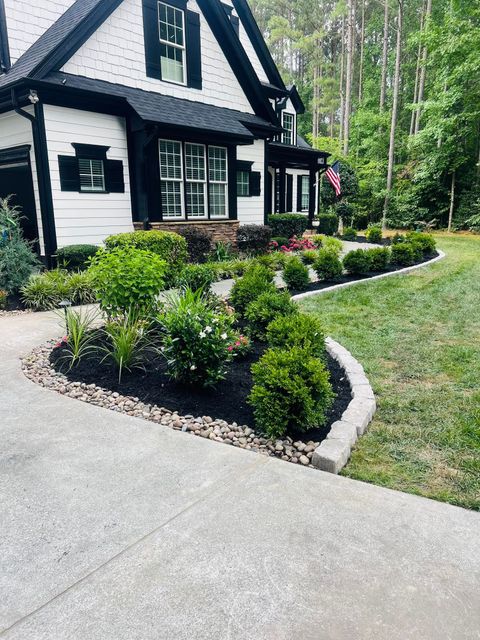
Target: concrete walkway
{"type": "Point", "coordinates": [115, 528]}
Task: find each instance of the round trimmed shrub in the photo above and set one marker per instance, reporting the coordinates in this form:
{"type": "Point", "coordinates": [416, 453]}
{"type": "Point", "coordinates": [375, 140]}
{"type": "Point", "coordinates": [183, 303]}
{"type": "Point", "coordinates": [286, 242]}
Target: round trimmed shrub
{"type": "Point", "coordinates": [291, 391]}
{"type": "Point", "coordinates": [327, 223]}
{"type": "Point", "coordinates": [327, 265]}
{"type": "Point", "coordinates": [349, 233]}
{"type": "Point", "coordinates": [75, 257]}
{"type": "Point", "coordinates": [302, 330]}
{"type": "Point", "coordinates": [379, 258]}
{"type": "Point", "coordinates": [288, 225]}
{"type": "Point", "coordinates": [253, 238]}
{"type": "Point", "coordinates": [357, 262]}
{"type": "Point", "coordinates": [268, 306]}
{"type": "Point", "coordinates": [374, 234]}
{"type": "Point", "coordinates": [424, 240]}
{"type": "Point", "coordinates": [402, 254]}
{"type": "Point", "coordinates": [197, 276]}
{"type": "Point", "coordinates": [296, 274]}
{"type": "Point", "coordinates": [309, 256]}
{"type": "Point", "coordinates": [256, 280]}
{"type": "Point", "coordinates": [198, 242]}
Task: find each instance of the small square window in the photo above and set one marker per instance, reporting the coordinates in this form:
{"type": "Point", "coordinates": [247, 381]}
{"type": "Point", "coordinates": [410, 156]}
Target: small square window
{"type": "Point", "coordinates": [92, 175]}
{"type": "Point", "coordinates": [243, 183]}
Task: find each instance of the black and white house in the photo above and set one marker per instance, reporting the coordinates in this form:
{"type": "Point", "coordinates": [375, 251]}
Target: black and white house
{"type": "Point", "coordinates": [122, 114]}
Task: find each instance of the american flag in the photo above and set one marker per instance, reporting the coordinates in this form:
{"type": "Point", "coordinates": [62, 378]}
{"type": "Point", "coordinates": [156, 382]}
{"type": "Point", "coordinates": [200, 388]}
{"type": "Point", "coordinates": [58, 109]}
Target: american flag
{"type": "Point", "coordinates": [333, 175]}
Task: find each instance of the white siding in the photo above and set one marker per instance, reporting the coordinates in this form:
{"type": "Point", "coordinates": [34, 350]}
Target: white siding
{"type": "Point", "coordinates": [250, 210]}
{"type": "Point", "coordinates": [87, 217]}
{"type": "Point", "coordinates": [116, 53]}
{"type": "Point", "coordinates": [15, 130]}
{"type": "Point", "coordinates": [26, 21]}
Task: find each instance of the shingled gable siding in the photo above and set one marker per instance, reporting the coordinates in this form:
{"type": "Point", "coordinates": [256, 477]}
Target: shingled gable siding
{"type": "Point", "coordinates": [250, 210]}
{"type": "Point", "coordinates": [221, 231]}
{"type": "Point", "coordinates": [27, 20]}
{"type": "Point", "coordinates": [87, 217]}
{"type": "Point", "coordinates": [16, 131]}
{"type": "Point", "coordinates": [116, 53]}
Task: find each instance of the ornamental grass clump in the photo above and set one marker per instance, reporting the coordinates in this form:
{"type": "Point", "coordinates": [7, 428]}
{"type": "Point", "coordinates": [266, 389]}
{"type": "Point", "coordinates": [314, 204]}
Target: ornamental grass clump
{"type": "Point", "coordinates": [296, 274]}
{"type": "Point", "coordinates": [45, 291]}
{"type": "Point", "coordinates": [291, 392]}
{"type": "Point", "coordinates": [268, 306]}
{"type": "Point", "coordinates": [327, 265]}
{"type": "Point", "coordinates": [196, 339]}
{"type": "Point", "coordinates": [301, 330]}
{"type": "Point", "coordinates": [127, 342]}
{"type": "Point", "coordinates": [81, 336]}
{"type": "Point", "coordinates": [257, 279]}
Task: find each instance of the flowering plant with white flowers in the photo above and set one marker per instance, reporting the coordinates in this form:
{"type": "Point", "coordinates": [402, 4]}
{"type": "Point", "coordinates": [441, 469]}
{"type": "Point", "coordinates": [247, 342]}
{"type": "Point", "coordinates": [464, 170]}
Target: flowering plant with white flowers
{"type": "Point", "coordinates": [196, 339]}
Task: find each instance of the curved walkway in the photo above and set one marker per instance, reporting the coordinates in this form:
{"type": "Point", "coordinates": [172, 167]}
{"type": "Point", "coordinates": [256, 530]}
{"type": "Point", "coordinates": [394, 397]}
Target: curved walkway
{"type": "Point", "coordinates": [113, 528]}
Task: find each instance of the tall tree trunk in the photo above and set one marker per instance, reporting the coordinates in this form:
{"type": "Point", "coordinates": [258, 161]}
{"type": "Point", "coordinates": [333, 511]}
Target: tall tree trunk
{"type": "Point", "coordinates": [452, 201]}
{"type": "Point", "coordinates": [362, 54]}
{"type": "Point", "coordinates": [423, 70]}
{"type": "Point", "coordinates": [396, 89]}
{"type": "Point", "coordinates": [413, 118]}
{"type": "Point", "coordinates": [315, 103]}
{"type": "Point", "coordinates": [342, 75]}
{"type": "Point", "coordinates": [348, 82]}
{"type": "Point", "coordinates": [383, 81]}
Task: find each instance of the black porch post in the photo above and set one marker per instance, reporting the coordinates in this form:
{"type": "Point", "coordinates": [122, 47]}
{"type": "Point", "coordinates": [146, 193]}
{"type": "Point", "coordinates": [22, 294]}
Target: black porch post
{"type": "Point", "coordinates": [311, 194]}
{"type": "Point", "coordinates": [282, 195]}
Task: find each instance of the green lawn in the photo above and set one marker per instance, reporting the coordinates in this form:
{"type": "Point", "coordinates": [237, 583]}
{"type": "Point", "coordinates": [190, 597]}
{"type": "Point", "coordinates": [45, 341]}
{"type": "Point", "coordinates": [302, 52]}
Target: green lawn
{"type": "Point", "coordinates": [418, 337]}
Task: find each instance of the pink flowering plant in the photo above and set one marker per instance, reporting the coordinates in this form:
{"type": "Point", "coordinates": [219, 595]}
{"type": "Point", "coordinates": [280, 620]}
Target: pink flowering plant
{"type": "Point", "coordinates": [297, 244]}
{"type": "Point", "coordinates": [196, 339]}
{"type": "Point", "coordinates": [240, 346]}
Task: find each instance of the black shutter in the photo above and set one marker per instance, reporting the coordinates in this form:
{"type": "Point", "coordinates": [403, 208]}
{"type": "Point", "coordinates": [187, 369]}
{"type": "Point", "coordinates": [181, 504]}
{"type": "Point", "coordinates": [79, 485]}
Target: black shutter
{"type": "Point", "coordinates": [194, 50]}
{"type": "Point", "coordinates": [299, 193]}
{"type": "Point", "coordinates": [114, 182]}
{"type": "Point", "coordinates": [235, 24]}
{"type": "Point", "coordinates": [255, 179]}
{"type": "Point", "coordinates": [289, 192]}
{"type": "Point", "coordinates": [152, 40]}
{"type": "Point", "coordinates": [69, 174]}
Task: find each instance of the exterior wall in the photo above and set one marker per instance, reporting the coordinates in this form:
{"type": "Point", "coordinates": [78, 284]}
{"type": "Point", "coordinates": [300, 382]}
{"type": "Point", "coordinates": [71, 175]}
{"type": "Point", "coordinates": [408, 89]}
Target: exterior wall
{"type": "Point", "coordinates": [87, 217]}
{"type": "Point", "coordinates": [250, 210]}
{"type": "Point", "coordinates": [26, 21]}
{"type": "Point", "coordinates": [116, 53]}
{"type": "Point", "coordinates": [16, 130]}
{"type": "Point", "coordinates": [221, 231]}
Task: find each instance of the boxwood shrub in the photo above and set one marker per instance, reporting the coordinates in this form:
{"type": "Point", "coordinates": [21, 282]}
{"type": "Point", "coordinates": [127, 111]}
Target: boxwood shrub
{"type": "Point", "coordinates": [268, 306]}
{"type": "Point", "coordinates": [374, 234]}
{"type": "Point", "coordinates": [257, 279]}
{"type": "Point", "coordinates": [327, 223]}
{"type": "Point", "coordinates": [253, 238]}
{"type": "Point", "coordinates": [197, 276]}
{"type": "Point", "coordinates": [296, 274]}
{"type": "Point", "coordinates": [425, 240]}
{"type": "Point", "coordinates": [379, 258]}
{"type": "Point", "coordinates": [288, 225]}
{"type": "Point", "coordinates": [357, 262]}
{"type": "Point", "coordinates": [291, 391]}
{"type": "Point", "coordinates": [402, 254]}
{"type": "Point", "coordinates": [302, 330]}
{"type": "Point", "coordinates": [75, 257]}
{"type": "Point", "coordinates": [327, 265]}
{"type": "Point", "coordinates": [349, 233]}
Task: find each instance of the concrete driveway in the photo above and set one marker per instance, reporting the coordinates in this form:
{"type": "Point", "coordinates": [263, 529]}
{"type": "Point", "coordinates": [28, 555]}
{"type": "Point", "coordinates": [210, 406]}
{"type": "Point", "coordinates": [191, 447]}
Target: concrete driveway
{"type": "Point", "coordinates": [115, 528]}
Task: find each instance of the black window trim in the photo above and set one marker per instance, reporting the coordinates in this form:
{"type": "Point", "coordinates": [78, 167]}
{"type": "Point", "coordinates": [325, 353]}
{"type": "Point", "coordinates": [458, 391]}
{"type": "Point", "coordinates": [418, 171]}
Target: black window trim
{"type": "Point", "coordinates": [113, 170]}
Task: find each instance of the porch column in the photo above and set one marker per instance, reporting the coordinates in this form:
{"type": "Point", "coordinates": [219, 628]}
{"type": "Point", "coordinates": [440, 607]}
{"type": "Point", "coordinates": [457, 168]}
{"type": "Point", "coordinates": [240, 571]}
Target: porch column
{"type": "Point", "coordinates": [282, 189]}
{"type": "Point", "coordinates": [311, 194]}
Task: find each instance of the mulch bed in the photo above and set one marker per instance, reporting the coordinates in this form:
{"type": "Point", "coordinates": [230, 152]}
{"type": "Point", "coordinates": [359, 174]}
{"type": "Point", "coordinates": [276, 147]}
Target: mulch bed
{"type": "Point", "coordinates": [228, 401]}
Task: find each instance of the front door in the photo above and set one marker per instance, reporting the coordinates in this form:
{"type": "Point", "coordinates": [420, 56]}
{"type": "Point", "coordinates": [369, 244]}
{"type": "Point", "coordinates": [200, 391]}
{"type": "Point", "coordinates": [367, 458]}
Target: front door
{"type": "Point", "coordinates": [16, 181]}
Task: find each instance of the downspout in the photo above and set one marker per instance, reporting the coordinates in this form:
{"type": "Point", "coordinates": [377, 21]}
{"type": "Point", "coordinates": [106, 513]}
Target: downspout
{"type": "Point", "coordinates": [43, 171]}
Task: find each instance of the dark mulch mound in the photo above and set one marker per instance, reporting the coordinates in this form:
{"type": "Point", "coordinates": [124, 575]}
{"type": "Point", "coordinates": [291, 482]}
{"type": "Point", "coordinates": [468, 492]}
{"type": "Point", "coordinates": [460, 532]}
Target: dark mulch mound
{"type": "Point", "coordinates": [228, 401]}
{"type": "Point", "coordinates": [386, 242]}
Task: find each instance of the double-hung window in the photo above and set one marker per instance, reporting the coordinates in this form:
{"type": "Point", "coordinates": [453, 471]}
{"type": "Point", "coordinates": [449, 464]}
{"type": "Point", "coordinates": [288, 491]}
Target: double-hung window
{"type": "Point", "coordinates": [92, 175]}
{"type": "Point", "coordinates": [218, 178]}
{"type": "Point", "coordinates": [172, 43]}
{"type": "Point", "coordinates": [288, 122]}
{"type": "Point", "coordinates": [196, 180]}
{"type": "Point", "coordinates": [243, 183]}
{"type": "Point", "coordinates": [305, 194]}
{"type": "Point", "coordinates": [171, 178]}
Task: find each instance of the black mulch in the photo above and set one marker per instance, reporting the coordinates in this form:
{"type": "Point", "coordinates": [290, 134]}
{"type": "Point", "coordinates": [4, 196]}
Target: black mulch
{"type": "Point", "coordinates": [228, 401]}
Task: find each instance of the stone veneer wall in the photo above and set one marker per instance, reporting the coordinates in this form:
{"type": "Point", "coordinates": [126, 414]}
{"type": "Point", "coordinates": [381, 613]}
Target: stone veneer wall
{"type": "Point", "coordinates": [221, 231]}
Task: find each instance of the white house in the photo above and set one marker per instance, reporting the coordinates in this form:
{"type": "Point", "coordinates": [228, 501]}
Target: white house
{"type": "Point", "coordinates": [117, 114]}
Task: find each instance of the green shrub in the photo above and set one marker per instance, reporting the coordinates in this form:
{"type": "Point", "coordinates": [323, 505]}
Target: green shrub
{"type": "Point", "coordinates": [291, 391]}
{"type": "Point", "coordinates": [318, 240]}
{"type": "Point", "coordinates": [345, 210]}
{"type": "Point", "coordinates": [229, 268]}
{"type": "Point", "coordinates": [417, 249]}
{"type": "Point", "coordinates": [170, 247]}
{"type": "Point", "coordinates": [282, 241]}
{"type": "Point", "coordinates": [327, 223]}
{"type": "Point", "coordinates": [296, 274]}
{"type": "Point", "coordinates": [374, 234]}
{"type": "Point", "coordinates": [302, 330]}
{"type": "Point", "coordinates": [397, 238]}
{"type": "Point", "coordinates": [327, 265]}
{"type": "Point", "coordinates": [17, 263]}
{"type": "Point", "coordinates": [268, 306]}
{"type": "Point", "coordinates": [127, 278]}
{"type": "Point", "coordinates": [270, 260]}
{"type": "Point", "coordinates": [425, 241]}
{"type": "Point", "coordinates": [75, 257]}
{"type": "Point", "coordinates": [221, 252]}
{"type": "Point", "coordinates": [197, 276]}
{"type": "Point", "coordinates": [45, 291]}
{"type": "Point", "coordinates": [257, 280]}
{"type": "Point", "coordinates": [253, 238]}
{"type": "Point", "coordinates": [196, 340]}
{"type": "Point", "coordinates": [199, 244]}
{"type": "Point", "coordinates": [328, 242]}
{"type": "Point", "coordinates": [349, 233]}
{"type": "Point", "coordinates": [288, 225]}
{"type": "Point", "coordinates": [379, 258]}
{"type": "Point", "coordinates": [402, 254]}
{"type": "Point", "coordinates": [3, 299]}
{"type": "Point", "coordinates": [80, 288]}
{"type": "Point", "coordinates": [357, 262]}
{"type": "Point", "coordinates": [309, 256]}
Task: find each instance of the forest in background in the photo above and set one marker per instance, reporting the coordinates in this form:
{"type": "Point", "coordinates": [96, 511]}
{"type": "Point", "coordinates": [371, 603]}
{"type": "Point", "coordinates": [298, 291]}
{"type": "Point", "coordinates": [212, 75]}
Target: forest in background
{"type": "Point", "coordinates": [392, 90]}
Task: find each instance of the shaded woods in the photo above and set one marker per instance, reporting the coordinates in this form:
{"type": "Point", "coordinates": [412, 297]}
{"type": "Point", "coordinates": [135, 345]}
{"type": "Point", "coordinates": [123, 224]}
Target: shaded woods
{"type": "Point", "coordinates": [392, 89]}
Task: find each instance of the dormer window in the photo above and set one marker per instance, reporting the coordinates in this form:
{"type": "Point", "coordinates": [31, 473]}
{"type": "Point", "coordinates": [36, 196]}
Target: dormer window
{"type": "Point", "coordinates": [172, 42]}
{"type": "Point", "coordinates": [288, 123]}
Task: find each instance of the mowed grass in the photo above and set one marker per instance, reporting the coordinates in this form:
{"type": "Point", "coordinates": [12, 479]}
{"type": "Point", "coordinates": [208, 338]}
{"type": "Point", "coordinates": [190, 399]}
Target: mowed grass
{"type": "Point", "coordinates": [418, 337]}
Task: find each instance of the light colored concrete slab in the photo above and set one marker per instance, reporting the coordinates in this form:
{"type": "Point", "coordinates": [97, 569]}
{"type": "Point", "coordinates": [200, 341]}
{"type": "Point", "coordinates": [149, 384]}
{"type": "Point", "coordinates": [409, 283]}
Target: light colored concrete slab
{"type": "Point", "coordinates": [115, 528]}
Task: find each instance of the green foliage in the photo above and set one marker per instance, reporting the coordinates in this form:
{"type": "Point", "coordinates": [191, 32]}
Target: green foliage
{"type": "Point", "coordinates": [170, 247]}
{"type": "Point", "coordinates": [425, 240]}
{"type": "Point", "coordinates": [327, 265]}
{"type": "Point", "coordinates": [296, 274]}
{"type": "Point", "coordinates": [288, 224]}
{"type": "Point", "coordinates": [3, 299]}
{"type": "Point", "coordinates": [229, 268]}
{"type": "Point", "coordinates": [127, 341]}
{"type": "Point", "coordinates": [17, 263]}
{"type": "Point", "coordinates": [309, 256]}
{"type": "Point", "coordinates": [357, 262]}
{"type": "Point", "coordinates": [473, 223]}
{"type": "Point", "coordinates": [346, 211]}
{"type": "Point", "coordinates": [291, 391]}
{"type": "Point", "coordinates": [282, 241]}
{"type": "Point", "coordinates": [349, 233]}
{"type": "Point", "coordinates": [221, 252]}
{"type": "Point", "coordinates": [402, 254]}
{"type": "Point", "coordinates": [127, 278]}
{"type": "Point", "coordinates": [253, 238]}
{"type": "Point", "coordinates": [349, 184]}
{"type": "Point", "coordinates": [374, 234]}
{"type": "Point", "coordinates": [81, 336]}
{"type": "Point", "coordinates": [75, 257]}
{"type": "Point", "coordinates": [196, 340]}
{"type": "Point", "coordinates": [268, 306]}
{"type": "Point", "coordinates": [197, 276]}
{"type": "Point", "coordinates": [329, 243]}
{"type": "Point", "coordinates": [257, 280]}
{"type": "Point", "coordinates": [327, 223]}
{"type": "Point", "coordinates": [379, 258]}
{"type": "Point", "coordinates": [46, 290]}
{"type": "Point", "coordinates": [302, 330]}
{"type": "Point", "coordinates": [199, 244]}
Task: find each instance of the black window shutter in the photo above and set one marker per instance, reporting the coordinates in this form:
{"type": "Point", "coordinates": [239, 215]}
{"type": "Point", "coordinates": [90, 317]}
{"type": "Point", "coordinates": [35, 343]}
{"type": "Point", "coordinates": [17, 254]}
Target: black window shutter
{"type": "Point", "coordinates": [255, 180]}
{"type": "Point", "coordinates": [69, 175]}
{"type": "Point", "coordinates": [299, 193]}
{"type": "Point", "coordinates": [289, 192]}
{"type": "Point", "coordinates": [194, 50]}
{"type": "Point", "coordinates": [152, 40]}
{"type": "Point", "coordinates": [114, 182]}
{"type": "Point", "coordinates": [235, 24]}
